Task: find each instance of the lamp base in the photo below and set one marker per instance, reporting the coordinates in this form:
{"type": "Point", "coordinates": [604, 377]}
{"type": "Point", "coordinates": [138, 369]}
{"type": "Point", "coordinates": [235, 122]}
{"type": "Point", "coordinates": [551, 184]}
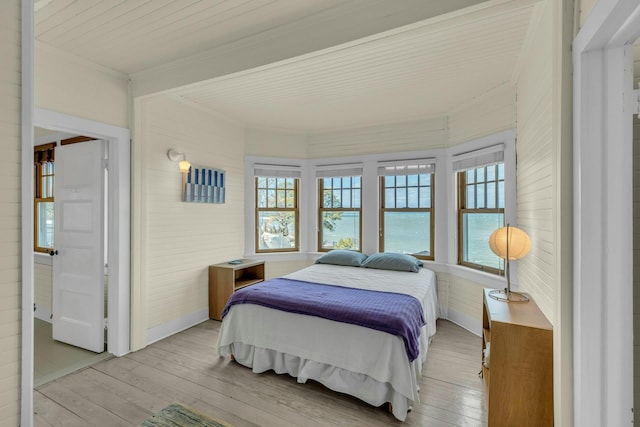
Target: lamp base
{"type": "Point", "coordinates": [508, 296]}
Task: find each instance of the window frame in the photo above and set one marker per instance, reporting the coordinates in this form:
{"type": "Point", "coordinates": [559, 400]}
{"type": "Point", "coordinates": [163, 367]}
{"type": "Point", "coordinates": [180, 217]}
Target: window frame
{"type": "Point", "coordinates": [295, 210]}
{"type": "Point", "coordinates": [322, 209]}
{"type": "Point", "coordinates": [462, 210]}
{"type": "Point", "coordinates": [39, 191]}
{"type": "Point", "coordinates": [382, 210]}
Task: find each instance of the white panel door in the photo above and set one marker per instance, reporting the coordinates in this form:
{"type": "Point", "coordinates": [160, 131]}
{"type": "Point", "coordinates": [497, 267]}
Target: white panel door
{"type": "Point", "coordinates": [78, 260]}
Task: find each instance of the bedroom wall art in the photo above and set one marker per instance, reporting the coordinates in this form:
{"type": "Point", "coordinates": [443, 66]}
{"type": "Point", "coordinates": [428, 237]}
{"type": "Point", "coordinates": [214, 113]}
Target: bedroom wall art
{"type": "Point", "coordinates": [203, 185]}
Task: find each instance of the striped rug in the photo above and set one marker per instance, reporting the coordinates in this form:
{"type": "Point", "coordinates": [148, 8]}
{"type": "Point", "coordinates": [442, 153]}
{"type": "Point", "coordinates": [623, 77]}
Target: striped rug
{"type": "Point", "coordinates": [177, 415]}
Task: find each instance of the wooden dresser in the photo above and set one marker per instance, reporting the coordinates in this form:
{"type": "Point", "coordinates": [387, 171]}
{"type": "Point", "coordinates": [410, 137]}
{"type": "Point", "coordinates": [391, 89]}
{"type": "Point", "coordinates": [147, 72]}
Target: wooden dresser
{"type": "Point", "coordinates": [225, 279]}
{"type": "Point", "coordinates": [518, 373]}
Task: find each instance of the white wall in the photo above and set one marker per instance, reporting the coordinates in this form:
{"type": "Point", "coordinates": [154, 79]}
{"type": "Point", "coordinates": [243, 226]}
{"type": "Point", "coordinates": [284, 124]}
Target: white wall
{"type": "Point", "coordinates": [585, 8]}
{"type": "Point", "coordinates": [69, 85]}
{"type": "Point", "coordinates": [177, 241]}
{"type": "Point", "coordinates": [10, 134]}
{"type": "Point", "coordinates": [545, 189]}
{"type": "Point", "coordinates": [535, 147]}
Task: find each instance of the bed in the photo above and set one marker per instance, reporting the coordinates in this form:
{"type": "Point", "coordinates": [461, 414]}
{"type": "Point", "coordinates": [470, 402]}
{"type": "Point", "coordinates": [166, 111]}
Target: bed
{"type": "Point", "coordinates": [336, 353]}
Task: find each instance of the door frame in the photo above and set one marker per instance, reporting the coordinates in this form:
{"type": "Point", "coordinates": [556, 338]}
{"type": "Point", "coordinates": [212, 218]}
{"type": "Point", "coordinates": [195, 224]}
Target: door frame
{"type": "Point", "coordinates": [118, 209]}
{"type": "Point", "coordinates": [118, 235]}
{"type": "Point", "coordinates": [603, 244]}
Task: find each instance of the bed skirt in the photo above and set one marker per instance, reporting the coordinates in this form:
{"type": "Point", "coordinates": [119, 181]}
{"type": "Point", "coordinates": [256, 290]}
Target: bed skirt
{"type": "Point", "coordinates": [338, 379]}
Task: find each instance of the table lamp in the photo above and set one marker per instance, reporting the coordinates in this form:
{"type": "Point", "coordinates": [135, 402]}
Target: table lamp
{"type": "Point", "coordinates": [509, 243]}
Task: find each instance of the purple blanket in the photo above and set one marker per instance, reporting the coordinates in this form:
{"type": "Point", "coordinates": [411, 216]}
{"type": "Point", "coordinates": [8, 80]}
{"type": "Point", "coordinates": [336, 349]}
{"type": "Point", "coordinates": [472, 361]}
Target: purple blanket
{"type": "Point", "coordinates": [397, 314]}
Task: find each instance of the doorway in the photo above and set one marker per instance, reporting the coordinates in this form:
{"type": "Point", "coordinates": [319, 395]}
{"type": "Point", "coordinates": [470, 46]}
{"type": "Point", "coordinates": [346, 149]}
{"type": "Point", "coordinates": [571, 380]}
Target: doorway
{"type": "Point", "coordinates": [117, 223]}
{"type": "Point", "coordinates": [118, 226]}
{"type": "Point", "coordinates": [55, 354]}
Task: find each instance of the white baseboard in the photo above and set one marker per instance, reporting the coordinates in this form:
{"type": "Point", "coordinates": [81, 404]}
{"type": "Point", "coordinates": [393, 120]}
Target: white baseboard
{"type": "Point", "coordinates": [167, 329]}
{"type": "Point", "coordinates": [469, 323]}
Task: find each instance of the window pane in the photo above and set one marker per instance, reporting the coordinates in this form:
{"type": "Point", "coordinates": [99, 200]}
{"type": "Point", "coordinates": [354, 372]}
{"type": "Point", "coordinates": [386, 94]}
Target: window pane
{"type": "Point", "coordinates": [425, 197]}
{"type": "Point", "coordinates": [389, 181]}
{"type": "Point", "coordinates": [501, 194]}
{"type": "Point", "coordinates": [280, 195]}
{"type": "Point", "coordinates": [412, 180]}
{"type": "Point", "coordinates": [327, 198]}
{"type": "Point", "coordinates": [291, 198]}
{"type": "Point", "coordinates": [401, 181]}
{"type": "Point", "coordinates": [470, 176]}
{"type": "Point", "coordinates": [336, 202]}
{"type": "Point", "coordinates": [480, 175]}
{"type": "Point", "coordinates": [262, 198]}
{"type": "Point", "coordinates": [389, 198]}
{"type": "Point", "coordinates": [477, 227]}
{"type": "Point", "coordinates": [44, 222]}
{"type": "Point", "coordinates": [271, 198]}
{"type": "Point", "coordinates": [407, 232]}
{"type": "Point", "coordinates": [276, 230]}
{"type": "Point", "coordinates": [491, 194]}
{"type": "Point", "coordinates": [357, 198]}
{"type": "Point", "coordinates": [491, 173]}
{"type": "Point", "coordinates": [346, 198]}
{"type": "Point", "coordinates": [271, 182]}
{"type": "Point", "coordinates": [346, 182]}
{"type": "Point", "coordinates": [480, 203]}
{"type": "Point", "coordinates": [356, 181]}
{"type": "Point", "coordinates": [262, 182]}
{"type": "Point", "coordinates": [412, 197]}
{"type": "Point", "coordinates": [501, 171]}
{"type": "Point", "coordinates": [425, 179]}
{"type": "Point", "coordinates": [471, 201]}
{"type": "Point", "coordinates": [336, 182]}
{"type": "Point", "coordinates": [340, 230]}
{"type": "Point", "coordinates": [401, 198]}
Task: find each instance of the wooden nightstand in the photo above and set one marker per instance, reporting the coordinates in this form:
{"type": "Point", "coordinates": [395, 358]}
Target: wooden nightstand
{"type": "Point", "coordinates": [225, 279]}
{"type": "Point", "coordinates": [519, 375]}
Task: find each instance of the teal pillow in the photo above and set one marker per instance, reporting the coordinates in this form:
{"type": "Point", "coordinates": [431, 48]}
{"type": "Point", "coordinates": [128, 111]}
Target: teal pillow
{"type": "Point", "coordinates": [342, 257]}
{"type": "Point", "coordinates": [393, 261]}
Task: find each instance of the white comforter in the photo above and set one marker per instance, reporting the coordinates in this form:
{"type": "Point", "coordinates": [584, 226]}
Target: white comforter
{"type": "Point", "coordinates": [336, 354]}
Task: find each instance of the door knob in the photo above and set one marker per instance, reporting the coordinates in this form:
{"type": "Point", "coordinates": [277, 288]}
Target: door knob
{"type": "Point", "coordinates": [52, 252]}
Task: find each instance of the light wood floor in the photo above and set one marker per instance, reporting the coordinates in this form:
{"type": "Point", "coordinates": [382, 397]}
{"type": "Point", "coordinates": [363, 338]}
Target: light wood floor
{"type": "Point", "coordinates": [185, 368]}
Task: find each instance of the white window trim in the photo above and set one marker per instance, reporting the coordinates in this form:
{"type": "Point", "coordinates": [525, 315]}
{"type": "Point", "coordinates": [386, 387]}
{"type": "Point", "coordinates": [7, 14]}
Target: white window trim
{"type": "Point", "coordinates": [479, 146]}
{"type": "Point", "coordinates": [445, 245]}
{"type": "Point", "coordinates": [252, 164]}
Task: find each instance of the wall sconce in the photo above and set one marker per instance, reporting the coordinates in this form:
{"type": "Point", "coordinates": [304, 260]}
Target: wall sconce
{"type": "Point", "coordinates": [175, 156]}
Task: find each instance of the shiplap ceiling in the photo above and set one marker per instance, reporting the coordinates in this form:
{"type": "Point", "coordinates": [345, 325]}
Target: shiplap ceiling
{"type": "Point", "coordinates": [425, 69]}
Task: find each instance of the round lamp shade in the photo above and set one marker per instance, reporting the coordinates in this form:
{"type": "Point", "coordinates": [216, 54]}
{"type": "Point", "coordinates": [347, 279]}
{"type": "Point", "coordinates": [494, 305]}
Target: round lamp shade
{"type": "Point", "coordinates": [518, 243]}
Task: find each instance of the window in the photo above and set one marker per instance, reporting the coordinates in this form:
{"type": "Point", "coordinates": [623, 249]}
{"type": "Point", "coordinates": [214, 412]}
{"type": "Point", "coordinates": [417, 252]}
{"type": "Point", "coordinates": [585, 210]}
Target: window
{"type": "Point", "coordinates": [277, 220]}
{"type": "Point", "coordinates": [406, 208]}
{"type": "Point", "coordinates": [481, 211]}
{"type": "Point", "coordinates": [340, 209]}
{"type": "Point", "coordinates": [43, 197]}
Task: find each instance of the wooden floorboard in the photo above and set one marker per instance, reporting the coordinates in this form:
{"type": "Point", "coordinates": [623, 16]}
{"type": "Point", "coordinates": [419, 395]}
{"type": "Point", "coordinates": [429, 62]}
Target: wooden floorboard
{"type": "Point", "coordinates": [185, 368]}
